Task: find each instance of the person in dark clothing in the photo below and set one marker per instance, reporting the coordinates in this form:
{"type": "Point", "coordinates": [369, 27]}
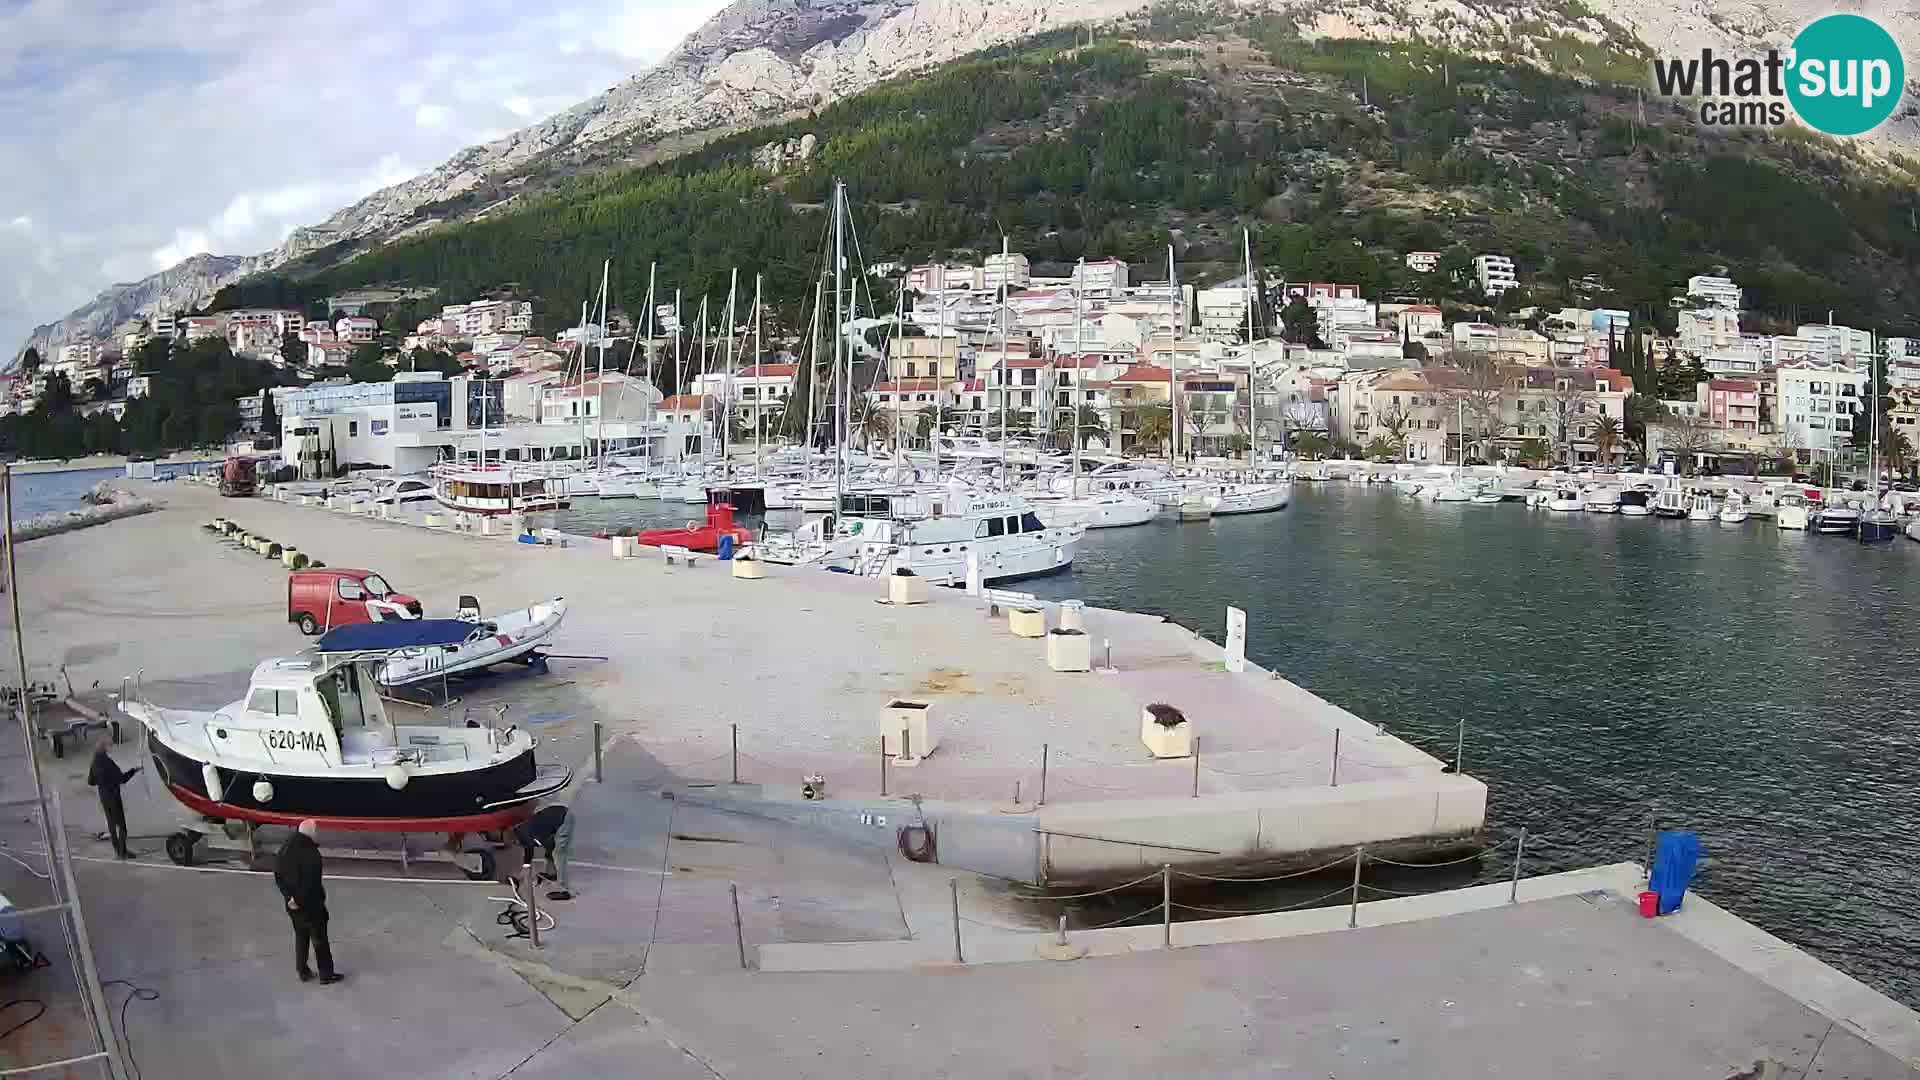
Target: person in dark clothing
{"type": "Point", "coordinates": [297, 872]}
{"type": "Point", "coordinates": [107, 777]}
{"type": "Point", "coordinates": [551, 827]}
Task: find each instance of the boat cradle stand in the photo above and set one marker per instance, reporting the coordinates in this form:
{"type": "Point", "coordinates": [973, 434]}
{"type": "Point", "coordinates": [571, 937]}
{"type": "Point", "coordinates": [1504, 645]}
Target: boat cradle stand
{"type": "Point", "coordinates": [237, 837]}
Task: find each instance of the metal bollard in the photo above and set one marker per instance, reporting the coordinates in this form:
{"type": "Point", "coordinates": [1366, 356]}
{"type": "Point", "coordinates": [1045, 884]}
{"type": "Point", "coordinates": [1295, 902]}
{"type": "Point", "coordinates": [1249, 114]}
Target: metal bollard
{"type": "Point", "coordinates": [533, 905]}
{"type": "Point", "coordinates": [1353, 906]}
{"type": "Point", "coordinates": [883, 766]}
{"type": "Point", "coordinates": [1459, 747]}
{"type": "Point", "coordinates": [596, 751]}
{"type": "Point", "coordinates": [1513, 894]}
{"type": "Point", "coordinates": [1166, 905]}
{"type": "Point", "coordinates": [1653, 841]}
{"type": "Point", "coordinates": [736, 752]}
{"type": "Point", "coordinates": [1196, 766]}
{"type": "Point", "coordinates": [1109, 661]}
{"type": "Point", "coordinates": [1045, 753]}
{"type": "Point", "coordinates": [739, 934]}
{"type": "Point", "coordinates": [1060, 936]}
{"type": "Point", "coordinates": [953, 885]}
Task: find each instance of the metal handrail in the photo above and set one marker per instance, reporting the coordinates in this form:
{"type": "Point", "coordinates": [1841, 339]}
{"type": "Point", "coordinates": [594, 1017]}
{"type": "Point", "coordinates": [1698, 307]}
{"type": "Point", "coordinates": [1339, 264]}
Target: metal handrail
{"type": "Point", "coordinates": [1129, 843]}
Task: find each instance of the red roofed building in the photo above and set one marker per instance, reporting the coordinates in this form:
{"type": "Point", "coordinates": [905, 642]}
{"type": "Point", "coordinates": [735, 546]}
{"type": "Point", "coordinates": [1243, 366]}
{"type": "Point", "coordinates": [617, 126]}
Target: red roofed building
{"type": "Point", "coordinates": [909, 396]}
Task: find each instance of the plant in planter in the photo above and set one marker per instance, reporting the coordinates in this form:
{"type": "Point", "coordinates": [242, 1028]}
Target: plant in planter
{"type": "Point", "coordinates": [748, 568]}
{"type": "Point", "coordinates": [1069, 650]}
{"type": "Point", "coordinates": [1165, 731]}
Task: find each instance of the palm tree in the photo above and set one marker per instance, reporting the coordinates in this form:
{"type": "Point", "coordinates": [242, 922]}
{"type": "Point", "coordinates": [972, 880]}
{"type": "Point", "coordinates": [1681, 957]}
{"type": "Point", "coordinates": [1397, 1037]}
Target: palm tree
{"type": "Point", "coordinates": [1091, 424]}
{"type": "Point", "coordinates": [871, 423]}
{"type": "Point", "coordinates": [1606, 436]}
{"type": "Point", "coordinates": [1383, 448]}
{"type": "Point", "coordinates": [1152, 429]}
{"type": "Point", "coordinates": [1897, 449]}
{"type": "Point", "coordinates": [1310, 444]}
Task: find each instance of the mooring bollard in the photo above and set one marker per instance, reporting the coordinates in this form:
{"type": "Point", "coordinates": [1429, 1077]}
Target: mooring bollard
{"type": "Point", "coordinates": [1353, 906]}
{"type": "Point", "coordinates": [1653, 840]}
{"type": "Point", "coordinates": [1044, 754]}
{"type": "Point", "coordinates": [596, 751]}
{"type": "Point", "coordinates": [953, 885]}
{"type": "Point", "coordinates": [883, 766]}
{"type": "Point", "coordinates": [736, 752]}
{"type": "Point", "coordinates": [1519, 851]}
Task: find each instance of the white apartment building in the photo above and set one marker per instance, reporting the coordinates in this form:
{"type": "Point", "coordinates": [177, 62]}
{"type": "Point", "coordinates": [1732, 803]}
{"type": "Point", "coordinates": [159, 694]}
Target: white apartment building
{"type": "Point", "coordinates": [1494, 273]}
{"type": "Point", "coordinates": [162, 324]}
{"type": "Point", "coordinates": [1336, 315]}
{"type": "Point", "coordinates": [603, 399]}
{"type": "Point", "coordinates": [1011, 270]}
{"type": "Point", "coordinates": [1818, 403]}
{"type": "Point", "coordinates": [1837, 344]}
{"type": "Point", "coordinates": [1423, 262]}
{"type": "Point", "coordinates": [1223, 313]}
{"type": "Point", "coordinates": [1101, 277]}
{"type": "Point", "coordinates": [75, 355]}
{"type": "Point", "coordinates": [202, 326]}
{"type": "Point", "coordinates": [942, 278]}
{"type": "Point", "coordinates": [1717, 291]}
{"type": "Point", "coordinates": [1419, 321]}
{"type": "Point", "coordinates": [357, 329]}
{"type": "Point", "coordinates": [1702, 330]}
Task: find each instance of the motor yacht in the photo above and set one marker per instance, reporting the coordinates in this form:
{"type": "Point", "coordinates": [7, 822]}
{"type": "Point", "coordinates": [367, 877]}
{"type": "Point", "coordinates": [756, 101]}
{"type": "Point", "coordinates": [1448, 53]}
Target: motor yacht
{"type": "Point", "coordinates": [1734, 510]}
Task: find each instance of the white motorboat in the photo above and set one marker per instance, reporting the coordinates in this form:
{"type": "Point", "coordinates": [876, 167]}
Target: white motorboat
{"type": "Point", "coordinates": [1634, 503]}
{"type": "Point", "coordinates": [1671, 502]}
{"type": "Point", "coordinates": [1565, 500]}
{"type": "Point", "coordinates": [627, 485]}
{"type": "Point", "coordinates": [1700, 507]}
{"type": "Point", "coordinates": [1791, 511]}
{"type": "Point", "coordinates": [1102, 510]}
{"type": "Point", "coordinates": [1913, 530]}
{"type": "Point", "coordinates": [486, 642]}
{"type": "Point", "coordinates": [493, 489]}
{"type": "Point", "coordinates": [1837, 518]}
{"type": "Point", "coordinates": [999, 533]}
{"type": "Point", "coordinates": [1734, 510]}
{"type": "Point", "coordinates": [403, 491]}
{"type": "Point", "coordinates": [1449, 491]}
{"type": "Point", "coordinates": [1601, 500]}
{"type": "Point", "coordinates": [312, 738]}
{"type": "Point", "coordinates": [1247, 499]}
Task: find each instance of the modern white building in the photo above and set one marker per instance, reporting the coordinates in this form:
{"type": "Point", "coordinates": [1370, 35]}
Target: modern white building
{"type": "Point", "coordinates": [1494, 273]}
{"type": "Point", "coordinates": [1838, 344]}
{"type": "Point", "coordinates": [1423, 262]}
{"type": "Point", "coordinates": [1223, 312]}
{"type": "Point", "coordinates": [1100, 277]}
{"type": "Point", "coordinates": [1818, 404]}
{"type": "Point", "coordinates": [357, 329]}
{"type": "Point", "coordinates": [1717, 291]}
{"type": "Point", "coordinates": [1419, 321]}
{"type": "Point", "coordinates": [1703, 330]}
{"type": "Point", "coordinates": [162, 324]}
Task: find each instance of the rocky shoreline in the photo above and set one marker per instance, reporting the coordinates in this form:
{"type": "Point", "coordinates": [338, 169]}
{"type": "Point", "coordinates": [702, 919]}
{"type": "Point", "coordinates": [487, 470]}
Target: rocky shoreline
{"type": "Point", "coordinates": [105, 503]}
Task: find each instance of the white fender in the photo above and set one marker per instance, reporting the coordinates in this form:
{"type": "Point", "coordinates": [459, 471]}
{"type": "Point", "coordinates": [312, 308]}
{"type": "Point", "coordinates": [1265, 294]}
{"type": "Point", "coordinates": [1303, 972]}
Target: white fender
{"type": "Point", "coordinates": [215, 789]}
{"type": "Point", "coordinates": [262, 791]}
{"type": "Point", "coordinates": [397, 777]}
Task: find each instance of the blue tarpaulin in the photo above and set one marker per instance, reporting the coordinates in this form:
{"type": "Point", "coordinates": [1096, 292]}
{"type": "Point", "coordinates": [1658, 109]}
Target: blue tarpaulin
{"type": "Point", "coordinates": [1674, 860]}
{"type": "Point", "coordinates": [394, 634]}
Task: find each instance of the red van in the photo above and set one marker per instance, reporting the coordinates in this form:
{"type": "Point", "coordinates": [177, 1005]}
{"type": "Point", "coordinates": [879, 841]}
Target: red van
{"type": "Point", "coordinates": [322, 599]}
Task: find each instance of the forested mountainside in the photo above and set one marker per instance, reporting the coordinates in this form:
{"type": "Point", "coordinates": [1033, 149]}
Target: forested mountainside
{"type": "Point", "coordinates": [1339, 155]}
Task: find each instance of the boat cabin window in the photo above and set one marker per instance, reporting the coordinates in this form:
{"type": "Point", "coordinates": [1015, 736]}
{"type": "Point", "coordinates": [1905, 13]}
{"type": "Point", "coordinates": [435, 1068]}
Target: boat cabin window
{"type": "Point", "coordinates": [991, 527]}
{"type": "Point", "coordinates": [351, 590]}
{"type": "Point", "coordinates": [1030, 522]}
{"type": "Point", "coordinates": [1013, 524]}
{"type": "Point", "coordinates": [274, 702]}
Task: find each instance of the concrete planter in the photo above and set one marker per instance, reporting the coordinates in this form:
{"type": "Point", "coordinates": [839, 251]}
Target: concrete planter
{"type": "Point", "coordinates": [623, 547]}
{"type": "Point", "coordinates": [907, 731]}
{"type": "Point", "coordinates": [906, 589]}
{"type": "Point", "coordinates": [1069, 650]}
{"type": "Point", "coordinates": [488, 527]}
{"type": "Point", "coordinates": [749, 569]}
{"type": "Point", "coordinates": [339, 502]}
{"type": "Point", "coordinates": [309, 500]}
{"type": "Point", "coordinates": [1166, 740]}
{"type": "Point", "coordinates": [290, 558]}
{"type": "Point", "coordinates": [1073, 615]}
{"type": "Point", "coordinates": [1027, 622]}
{"type": "Point", "coordinates": [431, 521]}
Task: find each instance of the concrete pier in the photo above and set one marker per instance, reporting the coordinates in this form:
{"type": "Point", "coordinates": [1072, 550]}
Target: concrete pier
{"type": "Point", "coordinates": [642, 972]}
{"type": "Point", "coordinates": [800, 665]}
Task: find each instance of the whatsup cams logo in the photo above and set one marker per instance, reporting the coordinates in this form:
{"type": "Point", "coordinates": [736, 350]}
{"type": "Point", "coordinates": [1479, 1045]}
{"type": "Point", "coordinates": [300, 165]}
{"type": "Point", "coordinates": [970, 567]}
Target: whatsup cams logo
{"type": "Point", "coordinates": [1844, 75]}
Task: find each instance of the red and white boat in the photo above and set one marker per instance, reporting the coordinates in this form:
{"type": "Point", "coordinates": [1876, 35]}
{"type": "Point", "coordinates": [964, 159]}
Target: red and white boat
{"type": "Point", "coordinates": [496, 489]}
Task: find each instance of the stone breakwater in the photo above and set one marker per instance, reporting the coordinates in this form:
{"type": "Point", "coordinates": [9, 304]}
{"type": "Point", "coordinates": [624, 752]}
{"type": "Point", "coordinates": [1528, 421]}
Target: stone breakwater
{"type": "Point", "coordinates": [104, 503]}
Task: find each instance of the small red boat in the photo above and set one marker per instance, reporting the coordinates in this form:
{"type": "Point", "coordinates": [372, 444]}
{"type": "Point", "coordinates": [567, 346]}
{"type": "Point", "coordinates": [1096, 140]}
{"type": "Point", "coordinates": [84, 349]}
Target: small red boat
{"type": "Point", "coordinates": [703, 537]}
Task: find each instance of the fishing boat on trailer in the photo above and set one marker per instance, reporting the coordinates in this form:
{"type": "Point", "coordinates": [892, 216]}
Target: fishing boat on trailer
{"type": "Point", "coordinates": [418, 650]}
{"type": "Point", "coordinates": [313, 738]}
{"type": "Point", "coordinates": [494, 489]}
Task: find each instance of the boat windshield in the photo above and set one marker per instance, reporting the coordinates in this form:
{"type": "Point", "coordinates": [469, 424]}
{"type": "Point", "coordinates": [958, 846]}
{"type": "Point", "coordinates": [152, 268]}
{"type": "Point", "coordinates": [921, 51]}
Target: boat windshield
{"type": "Point", "coordinates": [376, 585]}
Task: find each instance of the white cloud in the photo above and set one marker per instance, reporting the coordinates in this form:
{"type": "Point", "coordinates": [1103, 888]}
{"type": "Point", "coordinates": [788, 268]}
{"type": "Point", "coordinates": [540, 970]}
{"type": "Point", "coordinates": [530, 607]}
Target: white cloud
{"type": "Point", "coordinates": [234, 149]}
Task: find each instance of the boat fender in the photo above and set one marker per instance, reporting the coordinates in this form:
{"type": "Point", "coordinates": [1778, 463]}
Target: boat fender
{"type": "Point", "coordinates": [262, 791]}
{"type": "Point", "coordinates": [216, 790]}
{"type": "Point", "coordinates": [397, 777]}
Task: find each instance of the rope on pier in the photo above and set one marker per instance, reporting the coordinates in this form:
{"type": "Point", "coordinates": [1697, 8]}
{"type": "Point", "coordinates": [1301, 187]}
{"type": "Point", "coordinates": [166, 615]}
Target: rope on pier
{"type": "Point", "coordinates": [1450, 862]}
{"type": "Point", "coordinates": [1364, 887]}
{"type": "Point", "coordinates": [1155, 876]}
{"type": "Point", "coordinates": [1341, 861]}
{"type": "Point", "coordinates": [1127, 919]}
{"type": "Point", "coordinates": [1345, 891]}
{"type": "Point", "coordinates": [1064, 779]}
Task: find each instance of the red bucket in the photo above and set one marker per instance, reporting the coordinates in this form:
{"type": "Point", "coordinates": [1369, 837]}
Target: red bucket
{"type": "Point", "coordinates": [1649, 904]}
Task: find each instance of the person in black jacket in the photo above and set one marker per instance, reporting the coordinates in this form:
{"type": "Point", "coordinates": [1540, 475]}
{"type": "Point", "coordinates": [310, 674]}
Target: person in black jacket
{"type": "Point", "coordinates": [297, 872]}
{"type": "Point", "coordinates": [551, 827]}
{"type": "Point", "coordinates": [107, 777]}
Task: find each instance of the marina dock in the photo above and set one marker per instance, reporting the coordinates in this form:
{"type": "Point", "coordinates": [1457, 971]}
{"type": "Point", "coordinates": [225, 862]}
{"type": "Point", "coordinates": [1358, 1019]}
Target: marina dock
{"type": "Point", "coordinates": [821, 975]}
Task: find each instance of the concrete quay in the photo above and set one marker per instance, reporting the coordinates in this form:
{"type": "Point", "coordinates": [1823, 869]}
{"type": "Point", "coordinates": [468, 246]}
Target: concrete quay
{"type": "Point", "coordinates": [643, 972]}
{"type": "Point", "coordinates": [801, 664]}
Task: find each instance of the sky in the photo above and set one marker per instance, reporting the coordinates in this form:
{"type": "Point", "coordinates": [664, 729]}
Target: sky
{"type": "Point", "coordinates": [139, 133]}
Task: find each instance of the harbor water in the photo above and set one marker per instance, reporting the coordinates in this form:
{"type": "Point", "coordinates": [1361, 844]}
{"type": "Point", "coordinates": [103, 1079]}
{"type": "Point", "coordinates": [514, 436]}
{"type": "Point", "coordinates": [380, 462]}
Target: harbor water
{"type": "Point", "coordinates": [1752, 684]}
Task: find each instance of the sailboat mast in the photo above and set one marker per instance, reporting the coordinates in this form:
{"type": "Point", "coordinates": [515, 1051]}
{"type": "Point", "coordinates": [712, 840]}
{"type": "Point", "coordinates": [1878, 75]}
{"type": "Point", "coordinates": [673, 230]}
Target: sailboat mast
{"type": "Point", "coordinates": [900, 397]}
{"type": "Point", "coordinates": [840, 376]}
{"type": "Point", "coordinates": [1074, 396]}
{"type": "Point", "coordinates": [760, 397]}
{"type": "Point", "coordinates": [586, 310]}
{"type": "Point", "coordinates": [939, 373]}
{"type": "Point", "coordinates": [600, 380]}
{"type": "Point", "coordinates": [813, 368]}
{"type": "Point", "coordinates": [733, 368]}
{"type": "Point", "coordinates": [1006, 370]}
{"type": "Point", "coordinates": [1173, 361]}
{"type": "Point", "coordinates": [1253, 377]}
